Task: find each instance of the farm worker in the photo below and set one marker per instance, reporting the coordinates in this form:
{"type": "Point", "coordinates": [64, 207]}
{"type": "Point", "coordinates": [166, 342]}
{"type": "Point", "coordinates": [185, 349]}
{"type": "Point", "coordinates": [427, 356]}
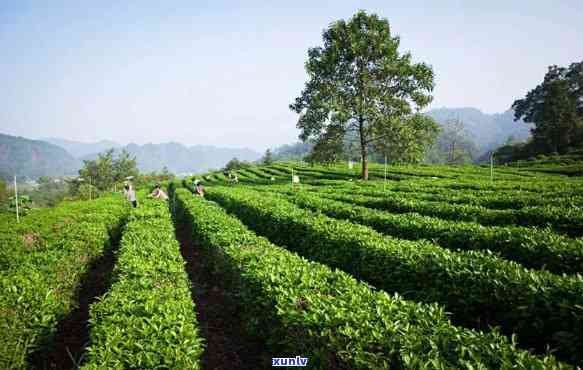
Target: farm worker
{"type": "Point", "coordinates": [158, 193]}
{"type": "Point", "coordinates": [199, 190]}
{"type": "Point", "coordinates": [130, 195]}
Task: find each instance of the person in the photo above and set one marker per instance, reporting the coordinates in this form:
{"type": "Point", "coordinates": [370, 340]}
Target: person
{"type": "Point", "coordinates": [158, 193]}
{"type": "Point", "coordinates": [199, 190]}
{"type": "Point", "coordinates": [130, 194]}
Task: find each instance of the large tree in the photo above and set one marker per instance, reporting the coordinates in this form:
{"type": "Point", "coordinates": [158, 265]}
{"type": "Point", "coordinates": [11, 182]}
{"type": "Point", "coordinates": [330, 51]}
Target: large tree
{"type": "Point", "coordinates": [358, 81]}
{"type": "Point", "coordinates": [556, 108]}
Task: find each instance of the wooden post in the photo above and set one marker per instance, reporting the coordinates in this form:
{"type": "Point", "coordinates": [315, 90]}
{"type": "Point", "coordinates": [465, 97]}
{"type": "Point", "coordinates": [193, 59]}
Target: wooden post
{"type": "Point", "coordinates": [385, 183]}
{"type": "Point", "coordinates": [16, 198]}
{"type": "Point", "coordinates": [492, 166]}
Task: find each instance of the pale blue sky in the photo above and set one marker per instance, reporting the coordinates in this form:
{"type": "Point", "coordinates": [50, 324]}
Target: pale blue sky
{"type": "Point", "coordinates": [223, 73]}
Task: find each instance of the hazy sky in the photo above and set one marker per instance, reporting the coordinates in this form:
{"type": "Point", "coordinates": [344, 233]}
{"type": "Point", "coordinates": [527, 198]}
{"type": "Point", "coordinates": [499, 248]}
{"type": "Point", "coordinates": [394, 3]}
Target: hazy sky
{"type": "Point", "coordinates": [224, 73]}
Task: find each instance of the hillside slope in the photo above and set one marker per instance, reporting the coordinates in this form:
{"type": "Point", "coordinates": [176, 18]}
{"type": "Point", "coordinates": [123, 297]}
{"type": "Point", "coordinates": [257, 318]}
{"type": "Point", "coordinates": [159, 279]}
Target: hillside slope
{"type": "Point", "coordinates": [34, 158]}
{"type": "Point", "coordinates": [179, 158]}
{"type": "Point", "coordinates": [487, 130]}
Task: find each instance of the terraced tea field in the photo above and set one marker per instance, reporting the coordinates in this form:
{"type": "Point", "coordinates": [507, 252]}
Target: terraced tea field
{"type": "Point", "coordinates": [438, 267]}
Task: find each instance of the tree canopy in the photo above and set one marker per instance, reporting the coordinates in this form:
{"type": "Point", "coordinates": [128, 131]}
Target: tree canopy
{"type": "Point", "coordinates": [3, 192]}
{"type": "Point", "coordinates": [268, 157]}
{"type": "Point", "coordinates": [235, 164]}
{"type": "Point", "coordinates": [555, 107]}
{"type": "Point", "coordinates": [358, 81]}
{"type": "Point", "coordinates": [107, 170]}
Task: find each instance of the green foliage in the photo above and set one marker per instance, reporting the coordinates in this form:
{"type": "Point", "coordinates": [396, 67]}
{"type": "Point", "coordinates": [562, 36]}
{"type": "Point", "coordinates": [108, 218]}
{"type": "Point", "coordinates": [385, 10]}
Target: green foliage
{"type": "Point", "coordinates": [42, 261]}
{"type": "Point", "coordinates": [532, 248]}
{"type": "Point", "coordinates": [329, 147]}
{"type": "Point", "coordinates": [31, 159]}
{"type": "Point", "coordinates": [453, 145]}
{"type": "Point", "coordinates": [235, 165]}
{"type": "Point", "coordinates": [267, 158]}
{"type": "Point", "coordinates": [49, 193]}
{"type": "Point", "coordinates": [147, 319]}
{"type": "Point", "coordinates": [24, 204]}
{"type": "Point", "coordinates": [554, 106]}
{"type": "Point", "coordinates": [406, 141]}
{"type": "Point", "coordinates": [478, 288]}
{"type": "Point", "coordinates": [360, 82]}
{"type": "Point", "coordinates": [3, 193]}
{"type": "Point", "coordinates": [87, 192]}
{"type": "Point", "coordinates": [106, 171]}
{"type": "Point", "coordinates": [564, 220]}
{"type": "Point", "coordinates": [296, 151]}
{"type": "Point", "coordinates": [336, 321]}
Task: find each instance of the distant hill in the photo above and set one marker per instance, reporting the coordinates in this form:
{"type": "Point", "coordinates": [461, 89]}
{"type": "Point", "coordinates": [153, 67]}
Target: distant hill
{"type": "Point", "coordinates": [487, 130]}
{"type": "Point", "coordinates": [78, 149]}
{"type": "Point", "coordinates": [179, 158]}
{"type": "Point", "coordinates": [293, 151]}
{"type": "Point", "coordinates": [34, 158]}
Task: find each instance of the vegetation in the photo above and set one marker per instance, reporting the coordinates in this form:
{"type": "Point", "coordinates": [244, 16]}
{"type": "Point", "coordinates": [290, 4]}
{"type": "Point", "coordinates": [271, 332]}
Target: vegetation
{"type": "Point", "coordinates": [330, 317]}
{"type": "Point", "coordinates": [147, 320]}
{"type": "Point", "coordinates": [236, 165]}
{"type": "Point", "coordinates": [453, 145]}
{"type": "Point", "coordinates": [531, 247]}
{"type": "Point", "coordinates": [30, 159]}
{"type": "Point", "coordinates": [438, 266]}
{"type": "Point", "coordinates": [106, 171]}
{"type": "Point", "coordinates": [479, 289]}
{"type": "Point", "coordinates": [360, 82]}
{"type": "Point", "coordinates": [555, 108]}
{"type": "Point", "coordinates": [42, 264]}
{"type": "Point", "coordinates": [267, 158]}
{"type": "Point", "coordinates": [3, 193]}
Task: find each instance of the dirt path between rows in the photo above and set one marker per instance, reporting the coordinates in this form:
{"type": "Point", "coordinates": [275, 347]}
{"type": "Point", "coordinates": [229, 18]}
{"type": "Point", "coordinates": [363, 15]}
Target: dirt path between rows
{"type": "Point", "coordinates": [226, 344]}
{"type": "Point", "coordinates": [72, 337]}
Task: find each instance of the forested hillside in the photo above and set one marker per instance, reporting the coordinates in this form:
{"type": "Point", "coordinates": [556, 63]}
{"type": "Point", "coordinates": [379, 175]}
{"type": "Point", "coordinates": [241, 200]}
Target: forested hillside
{"type": "Point", "coordinates": [34, 158]}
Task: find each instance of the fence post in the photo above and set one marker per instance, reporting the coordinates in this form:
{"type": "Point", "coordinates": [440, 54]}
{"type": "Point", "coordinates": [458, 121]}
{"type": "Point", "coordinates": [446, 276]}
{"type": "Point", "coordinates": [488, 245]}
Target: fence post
{"type": "Point", "coordinates": [16, 199]}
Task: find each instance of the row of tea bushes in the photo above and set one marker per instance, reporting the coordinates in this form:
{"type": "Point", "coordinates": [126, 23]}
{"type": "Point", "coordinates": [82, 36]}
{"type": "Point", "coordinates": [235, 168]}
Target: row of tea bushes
{"type": "Point", "coordinates": [531, 247]}
{"type": "Point", "coordinates": [306, 308]}
{"type": "Point", "coordinates": [479, 289]}
{"type": "Point", "coordinates": [564, 220]}
{"type": "Point", "coordinates": [38, 289]}
{"type": "Point", "coordinates": [147, 320]}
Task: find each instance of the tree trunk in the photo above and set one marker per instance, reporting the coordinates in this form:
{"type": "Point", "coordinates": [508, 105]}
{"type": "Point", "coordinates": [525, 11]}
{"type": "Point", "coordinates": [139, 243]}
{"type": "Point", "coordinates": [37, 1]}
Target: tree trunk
{"type": "Point", "coordinates": [363, 149]}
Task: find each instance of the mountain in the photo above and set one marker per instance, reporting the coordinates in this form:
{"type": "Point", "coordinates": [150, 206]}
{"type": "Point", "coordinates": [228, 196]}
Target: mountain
{"type": "Point", "coordinates": [487, 130]}
{"type": "Point", "coordinates": [34, 158]}
{"type": "Point", "coordinates": [179, 158]}
{"type": "Point", "coordinates": [79, 149]}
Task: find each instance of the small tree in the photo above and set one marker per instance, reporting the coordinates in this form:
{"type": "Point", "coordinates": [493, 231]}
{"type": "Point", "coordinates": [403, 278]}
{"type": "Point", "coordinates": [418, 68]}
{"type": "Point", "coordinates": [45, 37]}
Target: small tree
{"type": "Point", "coordinates": [107, 170]}
{"type": "Point", "coordinates": [124, 166]}
{"type": "Point", "coordinates": [3, 192]}
{"type": "Point", "coordinates": [87, 192]}
{"type": "Point", "coordinates": [329, 147]}
{"type": "Point", "coordinates": [24, 204]}
{"type": "Point", "coordinates": [235, 165]}
{"type": "Point", "coordinates": [268, 157]}
{"type": "Point", "coordinates": [408, 140]}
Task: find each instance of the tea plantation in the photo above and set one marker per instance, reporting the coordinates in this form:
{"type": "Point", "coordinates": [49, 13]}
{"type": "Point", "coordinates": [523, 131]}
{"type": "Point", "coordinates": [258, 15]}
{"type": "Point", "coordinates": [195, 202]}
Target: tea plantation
{"type": "Point", "coordinates": [423, 267]}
